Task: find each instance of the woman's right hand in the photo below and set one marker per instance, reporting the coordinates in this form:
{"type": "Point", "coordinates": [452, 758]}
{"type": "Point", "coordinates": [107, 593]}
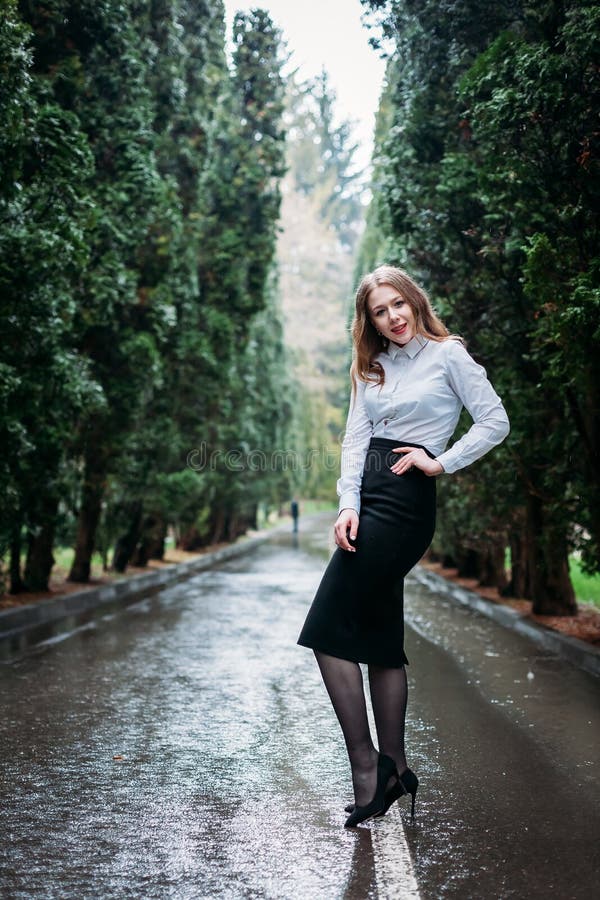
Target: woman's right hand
{"type": "Point", "coordinates": [347, 521]}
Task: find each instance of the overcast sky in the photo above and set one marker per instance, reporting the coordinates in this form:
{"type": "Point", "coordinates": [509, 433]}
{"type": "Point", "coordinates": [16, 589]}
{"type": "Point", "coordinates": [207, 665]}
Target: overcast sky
{"type": "Point", "coordinates": [328, 33]}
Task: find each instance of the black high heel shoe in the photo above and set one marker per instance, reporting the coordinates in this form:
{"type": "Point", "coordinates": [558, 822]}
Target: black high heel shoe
{"type": "Point", "coordinates": [386, 769]}
{"type": "Point", "coordinates": [407, 784]}
{"type": "Point", "coordinates": [410, 783]}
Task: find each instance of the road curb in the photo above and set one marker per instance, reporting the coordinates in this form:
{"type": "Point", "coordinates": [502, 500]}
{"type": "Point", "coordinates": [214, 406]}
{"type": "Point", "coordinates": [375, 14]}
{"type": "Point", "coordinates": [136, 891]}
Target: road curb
{"type": "Point", "coordinates": [578, 653]}
{"type": "Point", "coordinates": [24, 626]}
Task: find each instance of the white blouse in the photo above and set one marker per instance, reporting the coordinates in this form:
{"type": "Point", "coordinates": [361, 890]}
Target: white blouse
{"type": "Point", "coordinates": [426, 385]}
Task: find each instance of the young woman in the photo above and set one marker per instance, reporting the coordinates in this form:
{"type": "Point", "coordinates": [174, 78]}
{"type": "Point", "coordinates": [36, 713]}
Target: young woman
{"type": "Point", "coordinates": [410, 380]}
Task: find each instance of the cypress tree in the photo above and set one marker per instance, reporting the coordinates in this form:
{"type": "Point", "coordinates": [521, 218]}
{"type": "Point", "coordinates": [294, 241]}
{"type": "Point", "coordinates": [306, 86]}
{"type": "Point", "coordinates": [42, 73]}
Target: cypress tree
{"type": "Point", "coordinates": [45, 165]}
{"type": "Point", "coordinates": [487, 179]}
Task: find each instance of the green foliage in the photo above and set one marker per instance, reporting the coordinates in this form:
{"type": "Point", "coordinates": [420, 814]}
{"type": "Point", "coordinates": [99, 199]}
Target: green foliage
{"type": "Point", "coordinates": [533, 104]}
{"type": "Point", "coordinates": [139, 199]}
{"type": "Point", "coordinates": [486, 187]}
{"type": "Point", "coordinates": [44, 205]}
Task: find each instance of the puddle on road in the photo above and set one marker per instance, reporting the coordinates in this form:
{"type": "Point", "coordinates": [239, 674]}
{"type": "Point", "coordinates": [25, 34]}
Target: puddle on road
{"type": "Point", "coordinates": [537, 691]}
{"type": "Point", "coordinates": [230, 779]}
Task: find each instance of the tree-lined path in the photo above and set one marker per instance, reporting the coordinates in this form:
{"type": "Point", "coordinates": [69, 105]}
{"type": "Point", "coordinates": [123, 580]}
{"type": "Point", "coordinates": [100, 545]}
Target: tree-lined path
{"type": "Point", "coordinates": [157, 296]}
{"type": "Point", "coordinates": [181, 228]}
{"type": "Point", "coordinates": [185, 748]}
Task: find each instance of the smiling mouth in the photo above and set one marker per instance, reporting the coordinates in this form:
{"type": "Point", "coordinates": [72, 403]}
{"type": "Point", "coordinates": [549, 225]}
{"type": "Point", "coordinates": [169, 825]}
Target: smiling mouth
{"type": "Point", "coordinates": [399, 329]}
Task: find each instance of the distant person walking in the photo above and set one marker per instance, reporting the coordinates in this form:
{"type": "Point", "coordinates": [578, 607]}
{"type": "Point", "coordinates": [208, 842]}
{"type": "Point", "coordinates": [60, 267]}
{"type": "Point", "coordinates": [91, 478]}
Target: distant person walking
{"type": "Point", "coordinates": [410, 380]}
{"type": "Point", "coordinates": [295, 511]}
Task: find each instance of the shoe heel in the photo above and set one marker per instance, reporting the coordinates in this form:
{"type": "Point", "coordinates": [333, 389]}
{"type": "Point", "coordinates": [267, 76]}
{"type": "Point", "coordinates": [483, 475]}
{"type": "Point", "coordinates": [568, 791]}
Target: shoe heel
{"type": "Point", "coordinates": [410, 783]}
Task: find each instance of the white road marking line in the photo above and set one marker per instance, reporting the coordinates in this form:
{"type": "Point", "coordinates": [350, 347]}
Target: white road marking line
{"type": "Point", "coordinates": [394, 872]}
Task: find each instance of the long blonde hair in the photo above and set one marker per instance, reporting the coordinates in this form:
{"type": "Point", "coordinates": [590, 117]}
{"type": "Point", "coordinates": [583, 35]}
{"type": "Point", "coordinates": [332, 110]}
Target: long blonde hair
{"type": "Point", "coordinates": [367, 343]}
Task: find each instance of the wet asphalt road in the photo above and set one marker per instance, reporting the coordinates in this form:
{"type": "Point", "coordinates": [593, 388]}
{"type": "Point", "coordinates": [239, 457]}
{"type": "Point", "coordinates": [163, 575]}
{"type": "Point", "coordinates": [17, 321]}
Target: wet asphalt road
{"type": "Point", "coordinates": [232, 775]}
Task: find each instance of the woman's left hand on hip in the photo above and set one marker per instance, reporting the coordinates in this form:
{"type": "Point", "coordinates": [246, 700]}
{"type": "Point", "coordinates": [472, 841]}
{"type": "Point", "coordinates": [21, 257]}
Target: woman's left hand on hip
{"type": "Point", "coordinates": [417, 458]}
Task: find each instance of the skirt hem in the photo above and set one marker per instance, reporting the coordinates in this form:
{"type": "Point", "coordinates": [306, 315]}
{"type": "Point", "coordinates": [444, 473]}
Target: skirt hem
{"type": "Point", "coordinates": [355, 657]}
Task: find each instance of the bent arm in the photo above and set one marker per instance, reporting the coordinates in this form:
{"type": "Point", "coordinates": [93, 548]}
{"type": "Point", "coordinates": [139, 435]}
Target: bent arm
{"type": "Point", "coordinates": [490, 423]}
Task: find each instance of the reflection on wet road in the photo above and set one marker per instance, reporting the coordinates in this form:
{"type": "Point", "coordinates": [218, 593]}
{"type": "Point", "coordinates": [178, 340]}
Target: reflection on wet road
{"type": "Point", "coordinates": [185, 748]}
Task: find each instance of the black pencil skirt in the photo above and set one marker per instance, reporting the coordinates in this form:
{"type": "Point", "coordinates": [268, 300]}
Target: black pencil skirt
{"type": "Point", "coordinates": [358, 610]}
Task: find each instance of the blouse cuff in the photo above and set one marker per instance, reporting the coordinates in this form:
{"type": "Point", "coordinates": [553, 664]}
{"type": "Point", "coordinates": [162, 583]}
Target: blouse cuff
{"type": "Point", "coordinates": [349, 500]}
{"type": "Point", "coordinates": [448, 462]}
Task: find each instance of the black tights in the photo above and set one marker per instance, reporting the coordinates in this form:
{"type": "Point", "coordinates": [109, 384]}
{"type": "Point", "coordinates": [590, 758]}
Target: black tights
{"type": "Point", "coordinates": [389, 689]}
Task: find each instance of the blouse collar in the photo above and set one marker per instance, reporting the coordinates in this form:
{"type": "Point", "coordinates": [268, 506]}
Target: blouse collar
{"type": "Point", "coordinates": [414, 346]}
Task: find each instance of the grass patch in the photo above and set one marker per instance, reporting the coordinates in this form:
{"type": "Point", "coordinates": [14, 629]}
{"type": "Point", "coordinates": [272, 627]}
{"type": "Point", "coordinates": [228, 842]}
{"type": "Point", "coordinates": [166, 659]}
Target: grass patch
{"type": "Point", "coordinates": [64, 560]}
{"type": "Point", "coordinates": [586, 587]}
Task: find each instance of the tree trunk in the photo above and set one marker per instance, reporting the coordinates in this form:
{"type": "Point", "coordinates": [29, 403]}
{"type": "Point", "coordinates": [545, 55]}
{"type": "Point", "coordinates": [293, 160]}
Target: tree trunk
{"type": "Point", "coordinates": [551, 589]}
{"type": "Point", "coordinates": [253, 517]}
{"type": "Point", "coordinates": [219, 523]}
{"type": "Point", "coordinates": [468, 563]}
{"type": "Point", "coordinates": [153, 533]}
{"type": "Point", "coordinates": [89, 516]}
{"type": "Point", "coordinates": [125, 545]}
{"type": "Point", "coordinates": [16, 582]}
{"type": "Point", "coordinates": [493, 570]}
{"type": "Point", "coordinates": [519, 584]}
{"type": "Point", "coordinates": [191, 540]}
{"type": "Point", "coordinates": [156, 544]}
{"type": "Point", "coordinates": [447, 560]}
{"type": "Point", "coordinates": [233, 526]}
{"type": "Point", "coordinates": [140, 557]}
{"type": "Point", "coordinates": [40, 560]}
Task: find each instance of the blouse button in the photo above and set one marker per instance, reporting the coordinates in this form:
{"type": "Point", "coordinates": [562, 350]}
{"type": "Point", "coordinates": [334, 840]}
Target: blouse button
{"type": "Point", "coordinates": [385, 421]}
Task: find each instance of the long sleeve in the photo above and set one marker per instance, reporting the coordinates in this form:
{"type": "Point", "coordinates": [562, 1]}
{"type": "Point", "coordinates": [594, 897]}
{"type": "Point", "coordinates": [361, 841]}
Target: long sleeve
{"type": "Point", "coordinates": [490, 423]}
{"type": "Point", "coordinates": [357, 436]}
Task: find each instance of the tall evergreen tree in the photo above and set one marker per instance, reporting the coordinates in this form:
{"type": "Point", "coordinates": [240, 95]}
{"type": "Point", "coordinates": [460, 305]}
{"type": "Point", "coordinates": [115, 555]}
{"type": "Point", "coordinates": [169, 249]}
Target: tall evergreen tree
{"type": "Point", "coordinates": [140, 193]}
{"type": "Point", "coordinates": [533, 103]}
{"type": "Point", "coordinates": [188, 77]}
{"type": "Point", "coordinates": [479, 203]}
{"type": "Point", "coordinates": [119, 309]}
{"type": "Point", "coordinates": [238, 240]}
{"type": "Point", "coordinates": [45, 167]}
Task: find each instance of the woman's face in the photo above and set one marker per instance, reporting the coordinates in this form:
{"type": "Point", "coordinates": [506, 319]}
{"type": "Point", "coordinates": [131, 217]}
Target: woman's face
{"type": "Point", "coordinates": [391, 314]}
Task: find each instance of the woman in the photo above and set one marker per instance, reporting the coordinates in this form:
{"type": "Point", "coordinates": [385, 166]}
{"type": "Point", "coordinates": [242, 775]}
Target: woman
{"type": "Point", "coordinates": [410, 380]}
